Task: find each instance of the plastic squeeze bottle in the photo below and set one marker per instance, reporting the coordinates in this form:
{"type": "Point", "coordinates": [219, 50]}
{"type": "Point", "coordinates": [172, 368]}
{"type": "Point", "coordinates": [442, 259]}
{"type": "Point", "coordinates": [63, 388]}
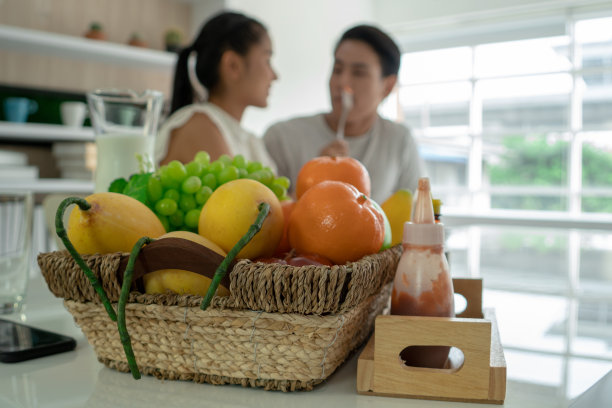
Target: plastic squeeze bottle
{"type": "Point", "coordinates": [423, 285]}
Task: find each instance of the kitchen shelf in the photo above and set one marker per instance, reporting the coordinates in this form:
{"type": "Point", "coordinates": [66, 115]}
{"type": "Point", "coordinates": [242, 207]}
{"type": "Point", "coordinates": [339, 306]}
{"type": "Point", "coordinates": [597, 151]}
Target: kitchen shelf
{"type": "Point", "coordinates": [49, 185]}
{"type": "Point", "coordinates": [37, 132]}
{"type": "Point", "coordinates": [66, 46]}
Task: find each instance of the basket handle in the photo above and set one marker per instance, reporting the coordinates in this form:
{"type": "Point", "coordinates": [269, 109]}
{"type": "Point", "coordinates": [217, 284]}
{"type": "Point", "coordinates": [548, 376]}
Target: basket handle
{"type": "Point", "coordinates": [174, 253]}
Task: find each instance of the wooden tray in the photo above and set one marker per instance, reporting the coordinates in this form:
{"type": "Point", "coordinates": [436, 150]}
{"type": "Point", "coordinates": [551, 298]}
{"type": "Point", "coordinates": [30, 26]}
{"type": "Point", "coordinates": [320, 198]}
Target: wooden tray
{"type": "Point", "coordinates": [479, 377]}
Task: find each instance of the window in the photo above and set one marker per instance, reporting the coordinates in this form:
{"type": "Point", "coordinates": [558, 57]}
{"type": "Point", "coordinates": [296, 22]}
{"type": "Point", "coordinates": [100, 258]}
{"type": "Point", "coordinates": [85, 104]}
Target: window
{"type": "Point", "coordinates": [525, 124]}
{"type": "Point", "coordinates": [518, 125]}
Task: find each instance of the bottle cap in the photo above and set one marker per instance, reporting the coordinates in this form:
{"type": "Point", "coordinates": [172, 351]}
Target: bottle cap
{"type": "Point", "coordinates": [423, 234]}
{"type": "Point", "coordinates": [423, 230]}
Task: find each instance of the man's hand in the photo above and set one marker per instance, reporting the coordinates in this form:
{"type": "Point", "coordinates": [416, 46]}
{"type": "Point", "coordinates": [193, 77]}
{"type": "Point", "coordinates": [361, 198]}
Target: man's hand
{"type": "Point", "coordinates": [335, 148]}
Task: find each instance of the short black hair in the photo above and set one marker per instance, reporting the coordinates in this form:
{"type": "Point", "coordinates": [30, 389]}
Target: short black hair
{"type": "Point", "coordinates": [387, 50]}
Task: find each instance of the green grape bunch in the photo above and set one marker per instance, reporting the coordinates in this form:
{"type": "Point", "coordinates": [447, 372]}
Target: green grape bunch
{"type": "Point", "coordinates": [176, 192]}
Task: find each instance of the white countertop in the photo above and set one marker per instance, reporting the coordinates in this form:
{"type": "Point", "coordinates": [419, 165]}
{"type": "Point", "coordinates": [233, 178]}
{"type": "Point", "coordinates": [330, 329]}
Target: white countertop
{"type": "Point", "coordinates": [77, 379]}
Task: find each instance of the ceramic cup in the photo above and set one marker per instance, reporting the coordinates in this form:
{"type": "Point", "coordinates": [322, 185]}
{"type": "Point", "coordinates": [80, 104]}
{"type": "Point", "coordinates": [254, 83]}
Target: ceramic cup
{"type": "Point", "coordinates": [18, 109]}
{"type": "Point", "coordinates": [73, 113]}
{"type": "Point", "coordinates": [15, 248]}
{"type": "Point", "coordinates": [127, 116]}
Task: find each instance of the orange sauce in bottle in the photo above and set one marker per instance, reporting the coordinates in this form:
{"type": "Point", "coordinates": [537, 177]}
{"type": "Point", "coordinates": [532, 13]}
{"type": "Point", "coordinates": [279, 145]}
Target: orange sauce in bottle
{"type": "Point", "coordinates": [423, 285]}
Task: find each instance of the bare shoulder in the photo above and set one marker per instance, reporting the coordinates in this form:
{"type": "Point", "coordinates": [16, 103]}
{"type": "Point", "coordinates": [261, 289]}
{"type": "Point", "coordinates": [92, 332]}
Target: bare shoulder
{"type": "Point", "coordinates": [199, 124]}
{"type": "Point", "coordinates": [199, 133]}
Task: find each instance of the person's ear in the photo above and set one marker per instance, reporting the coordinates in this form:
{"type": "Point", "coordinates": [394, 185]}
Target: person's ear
{"type": "Point", "coordinates": [231, 65]}
{"type": "Point", "coordinates": [388, 84]}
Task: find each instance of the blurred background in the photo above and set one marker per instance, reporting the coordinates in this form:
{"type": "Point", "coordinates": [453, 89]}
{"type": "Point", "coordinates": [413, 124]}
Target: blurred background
{"type": "Point", "coordinates": [510, 102]}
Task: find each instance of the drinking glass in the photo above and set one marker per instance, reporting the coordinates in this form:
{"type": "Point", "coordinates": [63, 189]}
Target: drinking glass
{"type": "Point", "coordinates": [125, 126]}
{"type": "Point", "coordinates": [15, 248]}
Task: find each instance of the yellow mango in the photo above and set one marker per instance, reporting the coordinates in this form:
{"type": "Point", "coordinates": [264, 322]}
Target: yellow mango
{"type": "Point", "coordinates": [233, 208]}
{"type": "Point", "coordinates": [113, 224]}
{"type": "Point", "coordinates": [181, 281]}
{"type": "Point", "coordinates": [398, 208]}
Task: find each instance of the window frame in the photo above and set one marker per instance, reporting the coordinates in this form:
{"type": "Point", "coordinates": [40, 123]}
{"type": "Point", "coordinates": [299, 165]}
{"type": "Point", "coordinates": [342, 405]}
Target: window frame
{"type": "Point", "coordinates": [573, 190]}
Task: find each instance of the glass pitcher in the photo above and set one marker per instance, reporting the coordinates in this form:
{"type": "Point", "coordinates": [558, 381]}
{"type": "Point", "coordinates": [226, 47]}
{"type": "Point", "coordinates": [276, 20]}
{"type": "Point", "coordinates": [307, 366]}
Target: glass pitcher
{"type": "Point", "coordinates": [125, 125]}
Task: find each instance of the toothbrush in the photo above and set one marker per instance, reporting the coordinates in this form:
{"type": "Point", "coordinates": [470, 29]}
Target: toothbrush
{"type": "Point", "coordinates": [347, 105]}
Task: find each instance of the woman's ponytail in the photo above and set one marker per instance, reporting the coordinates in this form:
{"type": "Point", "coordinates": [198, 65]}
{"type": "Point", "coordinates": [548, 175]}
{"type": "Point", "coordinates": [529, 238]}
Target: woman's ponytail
{"type": "Point", "coordinates": [182, 94]}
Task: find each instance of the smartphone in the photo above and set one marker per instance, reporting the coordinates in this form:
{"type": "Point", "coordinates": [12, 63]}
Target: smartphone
{"type": "Point", "coordinates": [19, 342]}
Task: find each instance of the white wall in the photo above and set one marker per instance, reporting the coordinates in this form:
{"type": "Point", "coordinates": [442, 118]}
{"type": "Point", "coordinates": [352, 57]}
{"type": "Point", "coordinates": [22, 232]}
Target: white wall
{"type": "Point", "coordinates": [201, 11]}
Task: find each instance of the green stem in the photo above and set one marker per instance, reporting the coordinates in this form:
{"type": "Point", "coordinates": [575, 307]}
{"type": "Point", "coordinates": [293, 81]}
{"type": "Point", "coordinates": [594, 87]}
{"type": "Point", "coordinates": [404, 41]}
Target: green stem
{"type": "Point", "coordinates": [61, 232]}
{"type": "Point", "coordinates": [264, 210]}
{"type": "Point", "coordinates": [123, 297]}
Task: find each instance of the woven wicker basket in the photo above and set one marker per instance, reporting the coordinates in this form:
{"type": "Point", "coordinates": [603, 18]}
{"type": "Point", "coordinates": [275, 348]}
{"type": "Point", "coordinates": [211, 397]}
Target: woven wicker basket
{"type": "Point", "coordinates": [282, 328]}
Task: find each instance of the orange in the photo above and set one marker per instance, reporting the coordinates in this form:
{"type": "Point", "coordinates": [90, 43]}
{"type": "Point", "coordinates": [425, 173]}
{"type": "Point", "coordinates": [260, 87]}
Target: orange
{"type": "Point", "coordinates": [283, 246]}
{"type": "Point", "coordinates": [324, 168]}
{"type": "Point", "coordinates": [333, 219]}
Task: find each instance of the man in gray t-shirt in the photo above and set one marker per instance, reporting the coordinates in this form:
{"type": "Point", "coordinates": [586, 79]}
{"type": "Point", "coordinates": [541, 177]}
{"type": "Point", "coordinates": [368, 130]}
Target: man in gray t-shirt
{"type": "Point", "coordinates": [366, 60]}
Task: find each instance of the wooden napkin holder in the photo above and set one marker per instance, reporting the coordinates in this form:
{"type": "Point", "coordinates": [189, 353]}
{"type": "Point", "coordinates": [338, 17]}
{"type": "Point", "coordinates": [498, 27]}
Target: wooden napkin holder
{"type": "Point", "coordinates": [479, 377]}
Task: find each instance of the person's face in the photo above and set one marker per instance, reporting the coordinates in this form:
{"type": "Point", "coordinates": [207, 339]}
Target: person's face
{"type": "Point", "coordinates": [258, 73]}
{"type": "Point", "coordinates": [357, 66]}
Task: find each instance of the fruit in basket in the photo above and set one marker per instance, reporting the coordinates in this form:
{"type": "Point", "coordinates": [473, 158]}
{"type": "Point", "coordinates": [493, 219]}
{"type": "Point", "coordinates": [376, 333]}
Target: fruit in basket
{"type": "Point", "coordinates": [335, 220]}
{"type": "Point", "coordinates": [232, 209]}
{"type": "Point", "coordinates": [182, 281]}
{"type": "Point", "coordinates": [176, 192]}
{"type": "Point", "coordinates": [113, 224]}
{"type": "Point", "coordinates": [388, 233]}
{"type": "Point", "coordinates": [324, 168]}
{"type": "Point", "coordinates": [309, 259]}
{"type": "Point", "coordinates": [398, 208]}
{"type": "Point", "coordinates": [271, 260]}
{"type": "Point", "coordinates": [283, 246]}
{"type": "Point", "coordinates": [297, 260]}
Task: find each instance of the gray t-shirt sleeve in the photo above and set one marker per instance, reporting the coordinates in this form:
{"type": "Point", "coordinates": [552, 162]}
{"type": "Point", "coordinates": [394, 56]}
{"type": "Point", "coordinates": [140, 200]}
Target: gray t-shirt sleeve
{"type": "Point", "coordinates": [413, 167]}
{"type": "Point", "coordinates": [293, 142]}
{"type": "Point", "coordinates": [273, 140]}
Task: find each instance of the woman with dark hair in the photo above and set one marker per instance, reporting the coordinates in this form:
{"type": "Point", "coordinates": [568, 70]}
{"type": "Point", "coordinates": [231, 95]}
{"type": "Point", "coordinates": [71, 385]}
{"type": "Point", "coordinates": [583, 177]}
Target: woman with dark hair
{"type": "Point", "coordinates": [226, 69]}
{"type": "Point", "coordinates": [367, 61]}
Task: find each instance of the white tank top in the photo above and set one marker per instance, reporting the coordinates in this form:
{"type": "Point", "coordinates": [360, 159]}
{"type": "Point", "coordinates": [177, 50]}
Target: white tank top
{"type": "Point", "coordinates": [239, 140]}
